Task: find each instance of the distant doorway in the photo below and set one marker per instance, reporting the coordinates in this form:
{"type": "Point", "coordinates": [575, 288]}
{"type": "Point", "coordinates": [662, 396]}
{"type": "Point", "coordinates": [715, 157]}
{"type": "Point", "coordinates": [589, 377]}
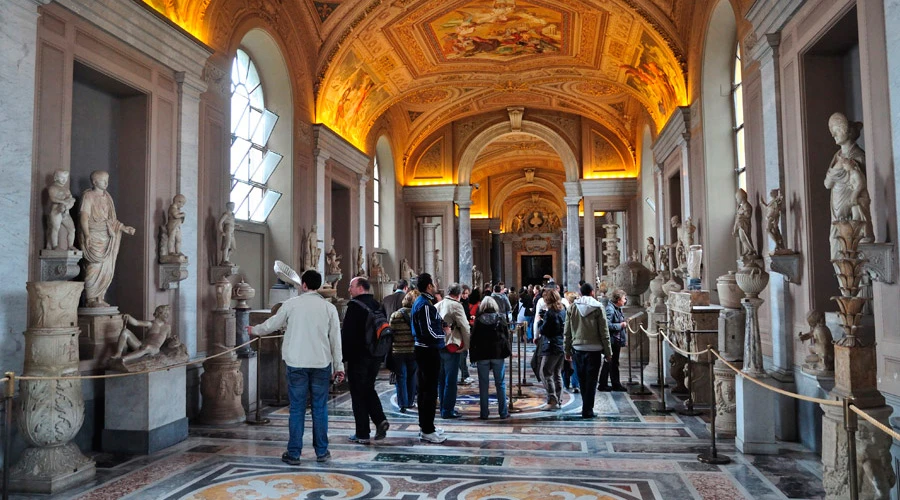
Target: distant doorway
{"type": "Point", "coordinates": [534, 267]}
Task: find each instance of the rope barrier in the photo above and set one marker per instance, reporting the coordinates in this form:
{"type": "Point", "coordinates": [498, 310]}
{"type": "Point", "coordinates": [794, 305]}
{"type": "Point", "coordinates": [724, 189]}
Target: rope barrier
{"type": "Point", "coordinates": [144, 372]}
{"type": "Point", "coordinates": [876, 423]}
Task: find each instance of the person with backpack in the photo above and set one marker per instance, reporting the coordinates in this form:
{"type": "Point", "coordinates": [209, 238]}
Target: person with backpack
{"type": "Point", "coordinates": [428, 331]}
{"type": "Point", "coordinates": [490, 348]}
{"type": "Point", "coordinates": [312, 352]}
{"type": "Point", "coordinates": [403, 353]}
{"type": "Point", "coordinates": [455, 344]}
{"type": "Point", "coordinates": [550, 328]}
{"type": "Point", "coordinates": [587, 342]}
{"type": "Point", "coordinates": [361, 361]}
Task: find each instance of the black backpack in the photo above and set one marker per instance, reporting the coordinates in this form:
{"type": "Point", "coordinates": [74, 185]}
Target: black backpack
{"type": "Point", "coordinates": [379, 336]}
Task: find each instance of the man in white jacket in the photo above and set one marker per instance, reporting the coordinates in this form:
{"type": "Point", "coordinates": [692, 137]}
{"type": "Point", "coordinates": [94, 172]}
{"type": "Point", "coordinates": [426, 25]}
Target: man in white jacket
{"type": "Point", "coordinates": [312, 352]}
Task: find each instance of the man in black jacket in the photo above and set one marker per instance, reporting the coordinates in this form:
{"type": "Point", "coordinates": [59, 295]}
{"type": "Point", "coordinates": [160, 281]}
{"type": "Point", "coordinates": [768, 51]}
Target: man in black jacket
{"type": "Point", "coordinates": [362, 367]}
{"type": "Point", "coordinates": [428, 331]}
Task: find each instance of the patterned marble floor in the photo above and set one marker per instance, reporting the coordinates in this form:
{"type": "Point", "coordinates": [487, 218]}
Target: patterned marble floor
{"type": "Point", "coordinates": [627, 453]}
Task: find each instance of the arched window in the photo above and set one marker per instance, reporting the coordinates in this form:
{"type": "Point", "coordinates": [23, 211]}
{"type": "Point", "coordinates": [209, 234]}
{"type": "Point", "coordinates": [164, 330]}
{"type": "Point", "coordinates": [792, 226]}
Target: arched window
{"type": "Point", "coordinates": [252, 162]}
{"type": "Point", "coordinates": [737, 100]}
{"type": "Point", "coordinates": [376, 204]}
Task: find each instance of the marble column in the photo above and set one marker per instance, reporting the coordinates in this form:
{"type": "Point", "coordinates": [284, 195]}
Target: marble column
{"type": "Point", "coordinates": [573, 243]}
{"type": "Point", "coordinates": [464, 241]}
{"type": "Point", "coordinates": [496, 262]}
{"type": "Point", "coordinates": [429, 228]}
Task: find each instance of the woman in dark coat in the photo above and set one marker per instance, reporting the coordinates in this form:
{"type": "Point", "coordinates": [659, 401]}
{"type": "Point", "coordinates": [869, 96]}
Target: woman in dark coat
{"type": "Point", "coordinates": [617, 335]}
{"type": "Point", "coordinates": [489, 350]}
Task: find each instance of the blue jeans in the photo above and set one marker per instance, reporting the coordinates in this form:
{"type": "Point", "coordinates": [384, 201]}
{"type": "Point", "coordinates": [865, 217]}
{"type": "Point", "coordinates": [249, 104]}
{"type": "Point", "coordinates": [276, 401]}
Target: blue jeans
{"type": "Point", "coordinates": [405, 368]}
{"type": "Point", "coordinates": [485, 367]}
{"type": "Point", "coordinates": [304, 383]}
{"type": "Point", "coordinates": [447, 382]}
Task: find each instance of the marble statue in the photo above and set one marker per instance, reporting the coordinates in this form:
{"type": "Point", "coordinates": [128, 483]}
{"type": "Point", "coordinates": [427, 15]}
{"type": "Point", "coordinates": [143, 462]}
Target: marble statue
{"type": "Point", "coordinates": [100, 236]}
{"type": "Point", "coordinates": [332, 260]}
{"type": "Point", "coordinates": [360, 262]}
{"type": "Point", "coordinates": [61, 201]}
{"type": "Point", "coordinates": [225, 228]}
{"type": "Point", "coordinates": [406, 271]}
{"type": "Point", "coordinates": [159, 330]}
{"type": "Point", "coordinates": [821, 348]}
{"type": "Point", "coordinates": [742, 223]}
{"type": "Point", "coordinates": [774, 209]}
{"type": "Point", "coordinates": [312, 248]}
{"type": "Point", "coordinates": [846, 178]}
{"type": "Point", "coordinates": [170, 233]}
{"type": "Point", "coordinates": [651, 254]}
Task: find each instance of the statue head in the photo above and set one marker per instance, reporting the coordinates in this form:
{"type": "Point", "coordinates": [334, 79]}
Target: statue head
{"type": "Point", "coordinates": [100, 179]}
{"type": "Point", "coordinates": [61, 177]}
{"type": "Point", "coordinates": [162, 313]}
{"type": "Point", "coordinates": [179, 200]}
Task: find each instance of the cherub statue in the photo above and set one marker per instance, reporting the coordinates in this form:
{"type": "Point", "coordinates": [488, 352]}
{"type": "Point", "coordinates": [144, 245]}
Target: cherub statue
{"type": "Point", "coordinates": [743, 217]}
{"type": "Point", "coordinates": [651, 254]}
{"type": "Point", "coordinates": [225, 228]}
{"type": "Point", "coordinates": [332, 260]}
{"type": "Point", "coordinates": [360, 262]}
{"type": "Point", "coordinates": [774, 209]}
{"type": "Point", "coordinates": [159, 331]}
{"type": "Point", "coordinates": [170, 233]}
{"type": "Point", "coordinates": [58, 216]}
{"type": "Point", "coordinates": [821, 349]}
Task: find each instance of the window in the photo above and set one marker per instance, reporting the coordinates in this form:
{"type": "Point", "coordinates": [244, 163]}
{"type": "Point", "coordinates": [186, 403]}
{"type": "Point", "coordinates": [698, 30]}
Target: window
{"type": "Point", "coordinates": [376, 203]}
{"type": "Point", "coordinates": [737, 101]}
{"type": "Point", "coordinates": [252, 162]}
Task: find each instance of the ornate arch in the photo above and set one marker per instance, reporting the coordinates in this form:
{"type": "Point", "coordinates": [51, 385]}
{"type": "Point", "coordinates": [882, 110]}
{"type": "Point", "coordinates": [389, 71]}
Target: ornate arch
{"type": "Point", "coordinates": [485, 137]}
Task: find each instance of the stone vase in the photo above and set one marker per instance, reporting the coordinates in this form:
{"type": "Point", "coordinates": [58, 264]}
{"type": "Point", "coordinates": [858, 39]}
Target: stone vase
{"type": "Point", "coordinates": [50, 412]}
{"type": "Point", "coordinates": [730, 294]}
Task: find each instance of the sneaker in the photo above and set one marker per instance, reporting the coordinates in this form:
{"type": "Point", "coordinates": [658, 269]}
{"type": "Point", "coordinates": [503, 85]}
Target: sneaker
{"type": "Point", "coordinates": [434, 437]}
{"type": "Point", "coordinates": [288, 459]}
{"type": "Point", "coordinates": [324, 458]}
{"type": "Point", "coordinates": [383, 427]}
{"type": "Point", "coordinates": [355, 439]}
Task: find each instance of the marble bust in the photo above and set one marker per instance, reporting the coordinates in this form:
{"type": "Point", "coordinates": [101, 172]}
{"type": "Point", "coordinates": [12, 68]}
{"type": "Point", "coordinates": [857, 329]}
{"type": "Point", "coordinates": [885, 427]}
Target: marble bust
{"type": "Point", "coordinates": [225, 229]}
{"type": "Point", "coordinates": [100, 236]}
{"type": "Point", "coordinates": [846, 179]}
{"type": "Point", "coordinates": [58, 217]}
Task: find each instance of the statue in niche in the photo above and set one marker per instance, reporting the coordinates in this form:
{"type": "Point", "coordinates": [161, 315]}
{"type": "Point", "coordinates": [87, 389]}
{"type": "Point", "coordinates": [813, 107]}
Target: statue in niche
{"type": "Point", "coordinates": [101, 234]}
{"type": "Point", "coordinates": [406, 271]}
{"type": "Point", "coordinates": [225, 228]}
{"type": "Point", "coordinates": [846, 178]}
{"type": "Point", "coordinates": [170, 233]}
{"type": "Point", "coordinates": [312, 248]}
{"type": "Point", "coordinates": [651, 254]}
{"type": "Point", "coordinates": [61, 201]}
{"type": "Point", "coordinates": [743, 219]}
{"type": "Point", "coordinates": [664, 259]}
{"type": "Point", "coordinates": [536, 221]}
{"type": "Point", "coordinates": [821, 348]}
{"type": "Point", "coordinates": [332, 260]}
{"type": "Point", "coordinates": [518, 224]}
{"type": "Point", "coordinates": [159, 333]}
{"type": "Point", "coordinates": [376, 271]}
{"type": "Point", "coordinates": [360, 262]}
{"type": "Point", "coordinates": [774, 209]}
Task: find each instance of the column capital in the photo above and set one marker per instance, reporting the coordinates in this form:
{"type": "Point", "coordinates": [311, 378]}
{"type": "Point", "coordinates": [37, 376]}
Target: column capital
{"type": "Point", "coordinates": [572, 200]}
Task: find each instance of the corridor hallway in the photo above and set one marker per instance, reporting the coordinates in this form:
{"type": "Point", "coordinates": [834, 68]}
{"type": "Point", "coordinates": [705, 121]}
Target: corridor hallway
{"type": "Point", "coordinates": [627, 452]}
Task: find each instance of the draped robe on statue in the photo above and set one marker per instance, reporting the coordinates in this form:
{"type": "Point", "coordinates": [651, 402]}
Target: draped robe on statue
{"type": "Point", "coordinates": [102, 245]}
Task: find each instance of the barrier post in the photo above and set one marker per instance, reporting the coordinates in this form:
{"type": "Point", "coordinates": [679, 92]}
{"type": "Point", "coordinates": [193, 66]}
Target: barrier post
{"type": "Point", "coordinates": [640, 390]}
{"type": "Point", "coordinates": [8, 396]}
{"type": "Point", "coordinates": [850, 425]}
{"type": "Point", "coordinates": [712, 457]}
{"type": "Point", "coordinates": [257, 420]}
{"type": "Point", "coordinates": [660, 406]}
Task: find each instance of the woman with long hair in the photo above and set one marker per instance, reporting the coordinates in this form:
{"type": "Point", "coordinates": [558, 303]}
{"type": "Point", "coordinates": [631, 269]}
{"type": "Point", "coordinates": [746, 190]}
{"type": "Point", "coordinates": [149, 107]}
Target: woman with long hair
{"type": "Point", "coordinates": [403, 355]}
{"type": "Point", "coordinates": [550, 329]}
{"type": "Point", "coordinates": [489, 350]}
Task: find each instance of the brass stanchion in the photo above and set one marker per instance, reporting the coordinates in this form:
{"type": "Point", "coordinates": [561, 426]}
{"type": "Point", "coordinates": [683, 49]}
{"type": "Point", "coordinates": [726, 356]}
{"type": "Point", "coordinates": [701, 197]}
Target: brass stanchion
{"type": "Point", "coordinates": [257, 420]}
{"type": "Point", "coordinates": [641, 390]}
{"type": "Point", "coordinates": [7, 431]}
{"type": "Point", "coordinates": [660, 406]}
{"type": "Point", "coordinates": [850, 425]}
{"type": "Point", "coordinates": [712, 457]}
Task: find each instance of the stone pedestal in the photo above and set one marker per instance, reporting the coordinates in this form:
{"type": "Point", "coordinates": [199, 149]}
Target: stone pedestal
{"type": "Point", "coordinates": [171, 274]}
{"type": "Point", "coordinates": [249, 367]}
{"type": "Point", "coordinates": [59, 265]}
{"type": "Point", "coordinates": [873, 455]}
{"type": "Point", "coordinates": [51, 412]}
{"type": "Point", "coordinates": [755, 429]}
{"type": "Point", "coordinates": [97, 342]}
{"type": "Point", "coordinates": [146, 412]}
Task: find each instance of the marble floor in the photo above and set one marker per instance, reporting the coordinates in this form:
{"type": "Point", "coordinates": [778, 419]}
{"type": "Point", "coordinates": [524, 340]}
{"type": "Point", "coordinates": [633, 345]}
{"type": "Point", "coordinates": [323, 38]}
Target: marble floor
{"type": "Point", "coordinates": [626, 453]}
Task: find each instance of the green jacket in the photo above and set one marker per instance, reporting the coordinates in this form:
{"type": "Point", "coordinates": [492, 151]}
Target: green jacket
{"type": "Point", "coordinates": [586, 327]}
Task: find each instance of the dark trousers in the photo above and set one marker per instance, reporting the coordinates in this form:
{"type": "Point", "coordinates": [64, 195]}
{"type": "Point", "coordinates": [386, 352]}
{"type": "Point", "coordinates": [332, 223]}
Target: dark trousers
{"type": "Point", "coordinates": [609, 374]}
{"type": "Point", "coordinates": [361, 378]}
{"type": "Point", "coordinates": [587, 366]}
{"type": "Point", "coordinates": [429, 361]}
